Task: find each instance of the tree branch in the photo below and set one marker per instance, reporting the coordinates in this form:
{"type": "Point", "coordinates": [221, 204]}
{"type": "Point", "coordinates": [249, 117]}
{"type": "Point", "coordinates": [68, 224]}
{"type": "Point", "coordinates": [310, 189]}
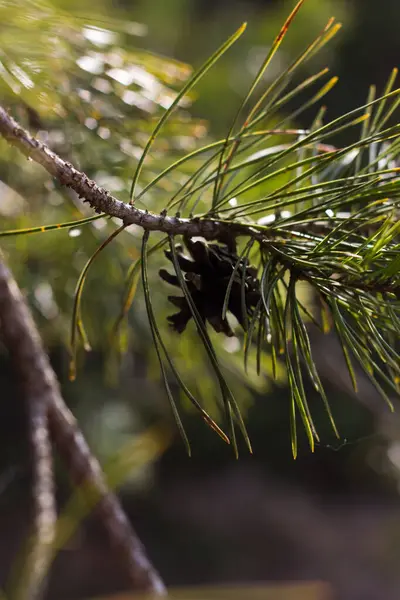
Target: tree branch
{"type": "Point", "coordinates": [211, 229]}
{"type": "Point", "coordinates": [98, 198]}
{"type": "Point", "coordinates": [42, 389]}
{"type": "Point", "coordinates": [28, 575]}
{"type": "Point", "coordinates": [45, 510]}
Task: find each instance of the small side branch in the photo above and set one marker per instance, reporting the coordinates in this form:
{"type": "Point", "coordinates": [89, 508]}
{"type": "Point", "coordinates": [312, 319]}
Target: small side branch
{"type": "Point", "coordinates": [41, 387]}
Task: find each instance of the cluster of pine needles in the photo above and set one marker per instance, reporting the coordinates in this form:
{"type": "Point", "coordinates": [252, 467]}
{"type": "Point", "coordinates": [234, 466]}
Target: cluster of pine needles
{"type": "Point", "coordinates": [299, 210]}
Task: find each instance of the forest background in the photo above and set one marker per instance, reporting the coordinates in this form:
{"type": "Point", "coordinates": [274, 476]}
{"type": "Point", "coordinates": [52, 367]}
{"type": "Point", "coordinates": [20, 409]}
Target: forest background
{"type": "Point", "coordinates": [331, 515]}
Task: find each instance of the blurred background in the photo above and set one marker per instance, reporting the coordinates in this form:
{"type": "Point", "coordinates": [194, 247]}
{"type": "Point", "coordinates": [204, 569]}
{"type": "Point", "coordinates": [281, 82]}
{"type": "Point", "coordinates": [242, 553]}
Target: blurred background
{"type": "Point", "coordinates": [90, 78]}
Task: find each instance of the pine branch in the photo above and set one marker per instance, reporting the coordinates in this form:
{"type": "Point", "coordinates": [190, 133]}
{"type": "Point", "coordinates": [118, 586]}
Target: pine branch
{"type": "Point", "coordinates": [97, 197]}
{"type": "Point", "coordinates": [349, 259]}
{"type": "Point", "coordinates": [41, 387]}
{"type": "Point", "coordinates": [310, 211]}
{"type": "Point", "coordinates": [101, 201]}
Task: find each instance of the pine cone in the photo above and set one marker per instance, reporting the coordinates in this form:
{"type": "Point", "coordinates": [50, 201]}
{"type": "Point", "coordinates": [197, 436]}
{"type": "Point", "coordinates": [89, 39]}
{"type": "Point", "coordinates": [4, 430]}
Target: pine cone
{"type": "Point", "coordinates": [207, 271]}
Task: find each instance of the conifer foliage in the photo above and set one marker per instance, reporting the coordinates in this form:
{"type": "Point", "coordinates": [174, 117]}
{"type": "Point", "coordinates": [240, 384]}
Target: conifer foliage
{"type": "Point", "coordinates": [274, 207]}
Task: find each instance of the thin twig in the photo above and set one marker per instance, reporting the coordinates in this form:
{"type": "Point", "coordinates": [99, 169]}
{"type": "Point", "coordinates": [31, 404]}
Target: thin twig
{"type": "Point", "coordinates": [22, 339]}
